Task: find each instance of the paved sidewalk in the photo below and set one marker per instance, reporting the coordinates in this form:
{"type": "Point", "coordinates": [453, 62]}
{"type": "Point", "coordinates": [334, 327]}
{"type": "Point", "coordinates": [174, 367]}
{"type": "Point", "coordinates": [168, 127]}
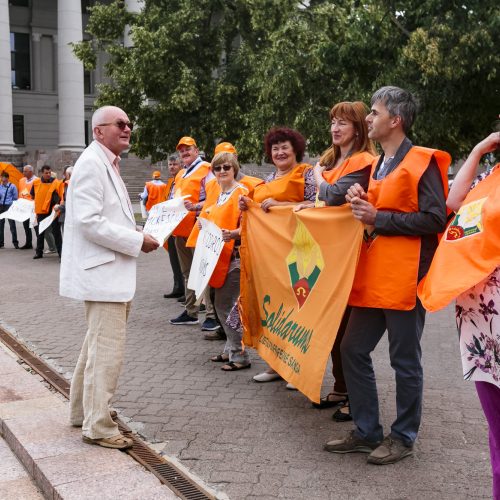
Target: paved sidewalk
{"type": "Point", "coordinates": [14, 480]}
{"type": "Point", "coordinates": [35, 425]}
{"type": "Point", "coordinates": [249, 440]}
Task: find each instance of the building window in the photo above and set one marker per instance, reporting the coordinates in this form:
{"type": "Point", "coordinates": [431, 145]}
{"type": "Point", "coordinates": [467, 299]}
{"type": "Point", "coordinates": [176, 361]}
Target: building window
{"type": "Point", "coordinates": [86, 132]}
{"type": "Point", "coordinates": [87, 83]}
{"type": "Point", "coordinates": [20, 75]}
{"type": "Point", "coordinates": [18, 121]}
{"type": "Point", "coordinates": [19, 3]}
{"type": "Point", "coordinates": [86, 4]}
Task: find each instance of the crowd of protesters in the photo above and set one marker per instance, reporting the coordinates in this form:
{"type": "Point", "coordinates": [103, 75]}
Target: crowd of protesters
{"type": "Point", "coordinates": [399, 195]}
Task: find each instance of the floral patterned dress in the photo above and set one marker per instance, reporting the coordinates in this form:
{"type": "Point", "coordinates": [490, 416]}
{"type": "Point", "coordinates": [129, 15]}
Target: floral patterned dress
{"type": "Point", "coordinates": [478, 324]}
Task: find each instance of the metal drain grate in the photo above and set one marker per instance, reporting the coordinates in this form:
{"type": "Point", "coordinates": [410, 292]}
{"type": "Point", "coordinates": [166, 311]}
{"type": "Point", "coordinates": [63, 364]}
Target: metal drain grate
{"type": "Point", "coordinates": [177, 480]}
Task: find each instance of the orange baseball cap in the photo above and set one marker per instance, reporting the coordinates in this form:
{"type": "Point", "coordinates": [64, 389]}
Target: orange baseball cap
{"type": "Point", "coordinates": [156, 174]}
{"type": "Point", "coordinates": [186, 141]}
{"type": "Point", "coordinates": [225, 147]}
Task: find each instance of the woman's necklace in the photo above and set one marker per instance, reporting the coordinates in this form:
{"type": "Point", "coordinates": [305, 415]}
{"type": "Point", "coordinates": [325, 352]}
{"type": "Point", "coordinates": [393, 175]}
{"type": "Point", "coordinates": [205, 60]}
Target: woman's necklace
{"type": "Point", "coordinates": [282, 173]}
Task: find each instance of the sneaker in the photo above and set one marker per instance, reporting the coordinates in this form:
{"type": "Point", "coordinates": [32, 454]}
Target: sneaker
{"type": "Point", "coordinates": [215, 335]}
{"type": "Point", "coordinates": [390, 451]}
{"type": "Point", "coordinates": [49, 251]}
{"type": "Point", "coordinates": [351, 444]}
{"type": "Point", "coordinates": [291, 387]}
{"type": "Point", "coordinates": [209, 325]}
{"type": "Point", "coordinates": [184, 319]}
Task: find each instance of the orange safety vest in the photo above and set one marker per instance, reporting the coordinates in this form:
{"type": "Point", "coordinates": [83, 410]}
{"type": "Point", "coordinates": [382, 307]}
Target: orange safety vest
{"type": "Point", "coordinates": [358, 161]}
{"type": "Point", "coordinates": [189, 185]}
{"type": "Point", "coordinates": [43, 195]}
{"type": "Point", "coordinates": [387, 272]}
{"type": "Point", "coordinates": [169, 184]}
{"type": "Point", "coordinates": [157, 193]}
{"type": "Point", "coordinates": [25, 187]}
{"type": "Point", "coordinates": [287, 188]}
{"type": "Point", "coordinates": [250, 183]}
{"type": "Point", "coordinates": [470, 248]}
{"type": "Point", "coordinates": [226, 216]}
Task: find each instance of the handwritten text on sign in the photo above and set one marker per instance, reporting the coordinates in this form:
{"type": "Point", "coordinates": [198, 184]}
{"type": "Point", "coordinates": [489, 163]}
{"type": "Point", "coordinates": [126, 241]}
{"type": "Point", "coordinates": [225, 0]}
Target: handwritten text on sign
{"type": "Point", "coordinates": [164, 218]}
{"type": "Point", "coordinates": [206, 254]}
{"type": "Point", "coordinates": [20, 210]}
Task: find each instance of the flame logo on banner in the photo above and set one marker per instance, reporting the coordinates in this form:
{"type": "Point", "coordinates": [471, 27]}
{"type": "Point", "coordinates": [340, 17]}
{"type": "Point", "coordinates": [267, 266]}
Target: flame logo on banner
{"type": "Point", "coordinates": [305, 263]}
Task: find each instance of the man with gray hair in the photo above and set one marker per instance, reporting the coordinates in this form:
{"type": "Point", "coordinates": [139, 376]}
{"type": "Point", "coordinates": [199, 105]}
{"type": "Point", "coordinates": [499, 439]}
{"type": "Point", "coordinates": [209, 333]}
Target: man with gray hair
{"type": "Point", "coordinates": [403, 211]}
{"type": "Point", "coordinates": [101, 245]}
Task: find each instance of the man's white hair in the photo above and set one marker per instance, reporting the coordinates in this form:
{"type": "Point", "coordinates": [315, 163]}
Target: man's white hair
{"type": "Point", "coordinates": [100, 116]}
{"type": "Point", "coordinates": [28, 167]}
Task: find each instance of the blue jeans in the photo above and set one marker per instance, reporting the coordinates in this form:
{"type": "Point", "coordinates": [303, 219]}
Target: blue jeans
{"type": "Point", "coordinates": [364, 331]}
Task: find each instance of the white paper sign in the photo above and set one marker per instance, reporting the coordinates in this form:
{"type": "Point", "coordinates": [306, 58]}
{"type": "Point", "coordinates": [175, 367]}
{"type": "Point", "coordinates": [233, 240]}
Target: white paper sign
{"type": "Point", "coordinates": [164, 217]}
{"type": "Point", "coordinates": [206, 254]}
{"type": "Point", "coordinates": [20, 210]}
{"type": "Point", "coordinates": [46, 222]}
{"type": "Point", "coordinates": [144, 212]}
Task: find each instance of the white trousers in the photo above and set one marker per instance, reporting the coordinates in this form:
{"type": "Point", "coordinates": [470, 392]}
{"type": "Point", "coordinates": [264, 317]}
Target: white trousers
{"type": "Point", "coordinates": [98, 368]}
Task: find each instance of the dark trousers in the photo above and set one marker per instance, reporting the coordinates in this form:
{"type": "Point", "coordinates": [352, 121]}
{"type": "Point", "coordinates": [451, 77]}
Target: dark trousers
{"type": "Point", "coordinates": [364, 331]}
{"type": "Point", "coordinates": [338, 373]}
{"type": "Point", "coordinates": [12, 225]}
{"type": "Point", "coordinates": [28, 233]}
{"type": "Point", "coordinates": [176, 267]}
{"type": "Point", "coordinates": [56, 232]}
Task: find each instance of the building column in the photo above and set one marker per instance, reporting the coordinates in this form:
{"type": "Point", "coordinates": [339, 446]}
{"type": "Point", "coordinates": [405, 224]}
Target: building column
{"type": "Point", "coordinates": [37, 61]}
{"type": "Point", "coordinates": [70, 77]}
{"type": "Point", "coordinates": [134, 6]}
{"type": "Point", "coordinates": [6, 124]}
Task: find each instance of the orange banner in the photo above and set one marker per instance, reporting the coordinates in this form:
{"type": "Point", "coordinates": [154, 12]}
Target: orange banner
{"type": "Point", "coordinates": [469, 251]}
{"type": "Point", "coordinates": [14, 174]}
{"type": "Point", "coordinates": [297, 270]}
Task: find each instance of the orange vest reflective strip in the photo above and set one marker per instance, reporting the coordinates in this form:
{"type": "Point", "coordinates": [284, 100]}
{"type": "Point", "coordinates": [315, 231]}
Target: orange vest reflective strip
{"type": "Point", "coordinates": [43, 196]}
{"type": "Point", "coordinates": [157, 193]}
{"type": "Point", "coordinates": [387, 272]}
{"type": "Point", "coordinates": [189, 185]}
{"type": "Point", "coordinates": [356, 162]}
{"type": "Point", "coordinates": [25, 187]}
{"type": "Point", "coordinates": [470, 248]}
{"type": "Point", "coordinates": [287, 188]}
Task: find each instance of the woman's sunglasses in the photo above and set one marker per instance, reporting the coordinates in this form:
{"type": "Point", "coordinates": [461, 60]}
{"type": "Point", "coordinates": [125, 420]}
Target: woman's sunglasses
{"type": "Point", "coordinates": [226, 168]}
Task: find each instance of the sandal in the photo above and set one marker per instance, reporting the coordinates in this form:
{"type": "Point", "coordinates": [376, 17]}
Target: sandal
{"type": "Point", "coordinates": [233, 367]}
{"type": "Point", "coordinates": [219, 359]}
{"type": "Point", "coordinates": [343, 414]}
{"type": "Point", "coordinates": [331, 400]}
{"type": "Point", "coordinates": [119, 442]}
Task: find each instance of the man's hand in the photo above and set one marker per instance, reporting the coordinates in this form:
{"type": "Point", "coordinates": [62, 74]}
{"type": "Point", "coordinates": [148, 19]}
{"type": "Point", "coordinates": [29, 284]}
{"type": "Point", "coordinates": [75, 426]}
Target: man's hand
{"type": "Point", "coordinates": [149, 244]}
{"type": "Point", "coordinates": [355, 191]}
{"type": "Point", "coordinates": [302, 206]}
{"type": "Point", "coordinates": [364, 211]}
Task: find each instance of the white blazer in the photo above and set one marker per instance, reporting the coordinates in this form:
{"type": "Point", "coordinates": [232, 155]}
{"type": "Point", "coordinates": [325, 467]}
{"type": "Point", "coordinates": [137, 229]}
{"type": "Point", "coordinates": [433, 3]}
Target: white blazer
{"type": "Point", "coordinates": [101, 242]}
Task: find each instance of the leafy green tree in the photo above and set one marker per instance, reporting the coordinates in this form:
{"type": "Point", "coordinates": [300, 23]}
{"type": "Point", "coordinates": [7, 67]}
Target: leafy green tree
{"type": "Point", "coordinates": [231, 69]}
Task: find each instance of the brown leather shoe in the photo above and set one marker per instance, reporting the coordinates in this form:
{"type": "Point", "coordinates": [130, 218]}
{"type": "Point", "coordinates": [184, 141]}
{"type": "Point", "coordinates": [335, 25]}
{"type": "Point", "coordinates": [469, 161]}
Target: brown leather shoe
{"type": "Point", "coordinates": [390, 451]}
{"type": "Point", "coordinates": [119, 442]}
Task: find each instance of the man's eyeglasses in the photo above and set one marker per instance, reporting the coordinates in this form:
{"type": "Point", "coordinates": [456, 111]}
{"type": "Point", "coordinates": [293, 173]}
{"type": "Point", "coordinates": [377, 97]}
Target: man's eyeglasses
{"type": "Point", "coordinates": [226, 168]}
{"type": "Point", "coordinates": [120, 124]}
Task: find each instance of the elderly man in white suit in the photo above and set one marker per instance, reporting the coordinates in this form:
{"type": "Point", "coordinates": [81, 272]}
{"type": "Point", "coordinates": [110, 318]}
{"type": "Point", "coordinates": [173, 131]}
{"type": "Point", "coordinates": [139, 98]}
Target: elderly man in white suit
{"type": "Point", "coordinates": [101, 244]}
